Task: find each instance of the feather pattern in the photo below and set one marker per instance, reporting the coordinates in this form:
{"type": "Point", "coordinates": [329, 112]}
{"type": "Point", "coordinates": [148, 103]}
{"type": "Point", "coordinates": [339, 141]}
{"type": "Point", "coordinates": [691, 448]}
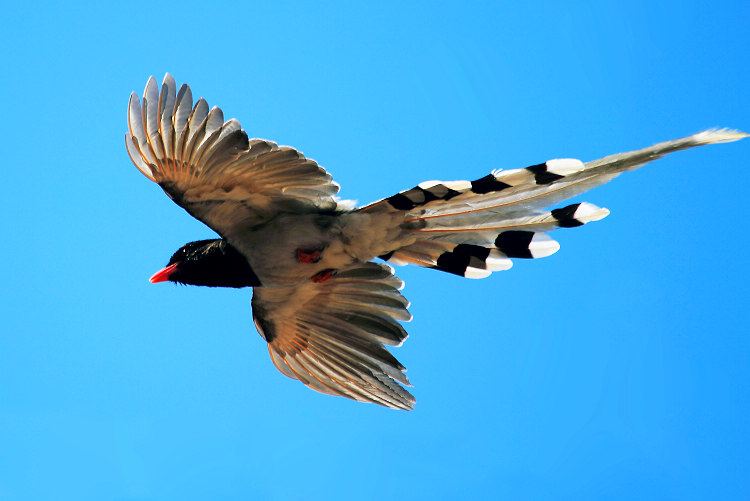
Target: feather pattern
{"type": "Point", "coordinates": [533, 187]}
{"type": "Point", "coordinates": [479, 222]}
{"type": "Point", "coordinates": [210, 168]}
{"type": "Point", "coordinates": [330, 335]}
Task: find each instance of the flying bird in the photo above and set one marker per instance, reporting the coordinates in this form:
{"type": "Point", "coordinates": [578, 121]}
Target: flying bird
{"type": "Point", "coordinates": [323, 306]}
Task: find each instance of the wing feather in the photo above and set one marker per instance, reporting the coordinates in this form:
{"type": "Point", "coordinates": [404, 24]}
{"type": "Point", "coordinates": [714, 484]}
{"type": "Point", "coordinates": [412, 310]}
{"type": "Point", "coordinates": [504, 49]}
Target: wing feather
{"type": "Point", "coordinates": [181, 117]}
{"type": "Point", "coordinates": [210, 168]}
{"type": "Point", "coordinates": [330, 335]}
{"type": "Point", "coordinates": [166, 108]}
{"type": "Point", "coordinates": [151, 118]}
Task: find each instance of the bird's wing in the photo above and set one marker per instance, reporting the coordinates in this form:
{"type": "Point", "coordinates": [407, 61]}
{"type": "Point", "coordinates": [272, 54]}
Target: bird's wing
{"type": "Point", "coordinates": [211, 169]}
{"type": "Point", "coordinates": [330, 335]}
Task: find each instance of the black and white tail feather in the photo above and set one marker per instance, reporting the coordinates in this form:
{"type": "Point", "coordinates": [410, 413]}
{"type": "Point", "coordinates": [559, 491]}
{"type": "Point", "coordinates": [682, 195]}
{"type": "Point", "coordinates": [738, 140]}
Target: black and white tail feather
{"type": "Point", "coordinates": [472, 228]}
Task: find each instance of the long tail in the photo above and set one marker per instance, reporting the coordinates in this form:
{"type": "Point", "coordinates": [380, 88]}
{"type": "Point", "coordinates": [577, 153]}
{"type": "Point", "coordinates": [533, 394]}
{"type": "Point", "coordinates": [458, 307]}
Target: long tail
{"type": "Point", "coordinates": [472, 228]}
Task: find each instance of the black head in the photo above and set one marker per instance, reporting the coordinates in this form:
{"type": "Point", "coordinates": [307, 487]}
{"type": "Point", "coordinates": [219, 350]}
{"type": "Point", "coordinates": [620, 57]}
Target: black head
{"type": "Point", "coordinates": [213, 263]}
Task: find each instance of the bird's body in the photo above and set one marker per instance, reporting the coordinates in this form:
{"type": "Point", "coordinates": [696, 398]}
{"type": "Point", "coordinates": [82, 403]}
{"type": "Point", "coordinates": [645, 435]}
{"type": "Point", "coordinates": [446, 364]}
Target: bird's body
{"type": "Point", "coordinates": [323, 307]}
{"type": "Point", "coordinates": [341, 238]}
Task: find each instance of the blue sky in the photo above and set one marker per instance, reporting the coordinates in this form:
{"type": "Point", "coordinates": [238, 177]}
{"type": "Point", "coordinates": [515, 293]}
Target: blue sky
{"type": "Point", "coordinates": [616, 369]}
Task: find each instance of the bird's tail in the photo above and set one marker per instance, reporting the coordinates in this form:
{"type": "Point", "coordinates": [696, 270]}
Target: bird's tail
{"type": "Point", "coordinates": [472, 228]}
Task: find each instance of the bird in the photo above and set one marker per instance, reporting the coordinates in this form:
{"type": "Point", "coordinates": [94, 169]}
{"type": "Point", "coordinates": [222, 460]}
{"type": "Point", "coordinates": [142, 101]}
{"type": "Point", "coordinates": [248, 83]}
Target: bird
{"type": "Point", "coordinates": [328, 310]}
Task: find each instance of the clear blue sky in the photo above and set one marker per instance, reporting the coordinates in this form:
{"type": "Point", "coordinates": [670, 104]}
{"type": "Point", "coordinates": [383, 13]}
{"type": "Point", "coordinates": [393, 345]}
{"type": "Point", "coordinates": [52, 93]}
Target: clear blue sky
{"type": "Point", "coordinates": [616, 369]}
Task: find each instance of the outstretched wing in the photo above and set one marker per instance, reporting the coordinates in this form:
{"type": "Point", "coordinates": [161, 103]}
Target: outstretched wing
{"type": "Point", "coordinates": [330, 335]}
{"type": "Point", "coordinates": [211, 169]}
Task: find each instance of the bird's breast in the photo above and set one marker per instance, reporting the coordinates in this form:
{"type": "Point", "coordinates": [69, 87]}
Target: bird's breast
{"type": "Point", "coordinates": [291, 249]}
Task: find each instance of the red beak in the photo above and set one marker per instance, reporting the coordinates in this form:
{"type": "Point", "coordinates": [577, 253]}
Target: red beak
{"type": "Point", "coordinates": [163, 274]}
